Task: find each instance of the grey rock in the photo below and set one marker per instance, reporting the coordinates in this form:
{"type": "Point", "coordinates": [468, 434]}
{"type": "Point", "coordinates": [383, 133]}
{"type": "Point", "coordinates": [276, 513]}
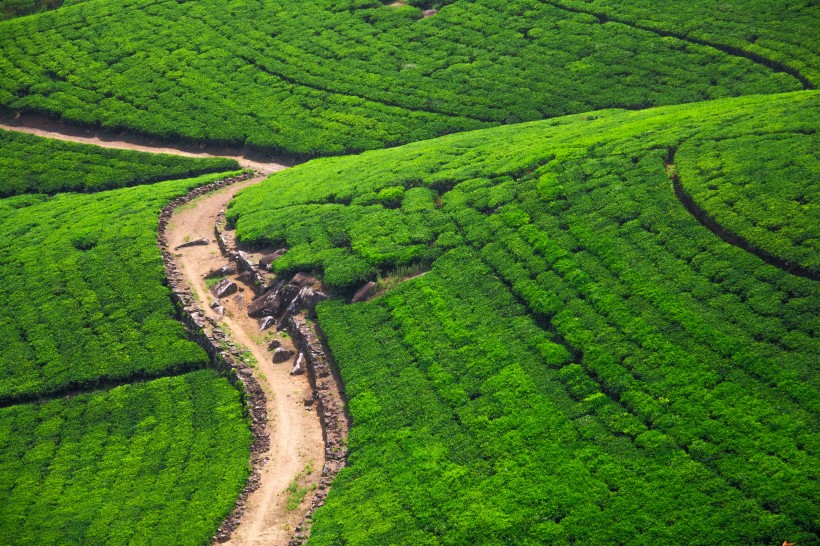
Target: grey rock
{"type": "Point", "coordinates": [219, 310]}
{"type": "Point", "coordinates": [267, 304]}
{"type": "Point", "coordinates": [282, 355]}
{"type": "Point", "coordinates": [299, 367]}
{"type": "Point", "coordinates": [223, 288]}
{"type": "Point", "coordinates": [244, 261]}
{"type": "Point", "coordinates": [247, 277]}
{"type": "Point", "coordinates": [364, 293]}
{"type": "Point", "coordinates": [265, 323]}
{"type": "Point", "coordinates": [227, 269]}
{"type": "Point", "coordinates": [275, 344]}
{"type": "Point", "coordinates": [216, 304]}
{"type": "Point", "coordinates": [266, 260]}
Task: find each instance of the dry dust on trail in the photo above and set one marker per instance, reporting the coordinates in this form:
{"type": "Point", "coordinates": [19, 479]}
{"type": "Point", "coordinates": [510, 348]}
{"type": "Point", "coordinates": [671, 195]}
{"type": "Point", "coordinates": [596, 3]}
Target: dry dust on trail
{"type": "Point", "coordinates": [296, 442]}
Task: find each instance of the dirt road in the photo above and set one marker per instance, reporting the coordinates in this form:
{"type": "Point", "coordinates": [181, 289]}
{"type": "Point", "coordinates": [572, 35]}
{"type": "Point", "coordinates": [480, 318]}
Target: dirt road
{"type": "Point", "coordinates": [296, 444]}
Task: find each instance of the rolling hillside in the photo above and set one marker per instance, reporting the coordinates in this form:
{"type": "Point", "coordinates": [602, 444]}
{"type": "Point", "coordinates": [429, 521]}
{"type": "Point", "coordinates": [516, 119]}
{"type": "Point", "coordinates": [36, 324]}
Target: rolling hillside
{"type": "Point", "coordinates": [584, 361]}
{"type": "Point", "coordinates": [330, 77]}
{"type": "Point", "coordinates": [111, 431]}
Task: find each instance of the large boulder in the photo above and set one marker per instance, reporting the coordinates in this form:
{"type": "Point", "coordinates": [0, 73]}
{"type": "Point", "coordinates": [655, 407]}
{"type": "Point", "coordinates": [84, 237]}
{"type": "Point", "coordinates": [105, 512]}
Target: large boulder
{"type": "Point", "coordinates": [267, 259]}
{"type": "Point", "coordinates": [266, 305]}
{"type": "Point", "coordinates": [247, 277]}
{"type": "Point", "coordinates": [282, 355]}
{"type": "Point", "coordinates": [309, 298]}
{"type": "Point", "coordinates": [224, 288]}
{"type": "Point", "coordinates": [244, 261]}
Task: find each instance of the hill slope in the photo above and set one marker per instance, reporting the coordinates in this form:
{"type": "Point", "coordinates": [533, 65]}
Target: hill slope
{"type": "Point", "coordinates": [328, 77]}
{"type": "Point", "coordinates": [584, 362]}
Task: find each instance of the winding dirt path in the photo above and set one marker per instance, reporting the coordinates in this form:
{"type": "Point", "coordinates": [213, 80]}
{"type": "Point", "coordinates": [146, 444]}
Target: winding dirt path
{"type": "Point", "coordinates": [296, 444]}
{"type": "Point", "coordinates": [44, 127]}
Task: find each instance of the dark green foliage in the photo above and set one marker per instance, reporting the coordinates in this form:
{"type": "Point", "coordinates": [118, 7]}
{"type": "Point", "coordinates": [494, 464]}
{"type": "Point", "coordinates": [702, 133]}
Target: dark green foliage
{"type": "Point", "coordinates": [159, 462]}
{"type": "Point", "coordinates": [81, 280]}
{"type": "Point", "coordinates": [17, 8]}
{"type": "Point", "coordinates": [31, 164]}
{"type": "Point", "coordinates": [311, 77]}
{"type": "Point", "coordinates": [763, 188]}
{"type": "Point", "coordinates": [585, 362]}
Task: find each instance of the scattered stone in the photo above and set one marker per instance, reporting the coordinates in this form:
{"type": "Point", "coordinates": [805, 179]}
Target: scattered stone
{"type": "Point", "coordinates": [266, 323]}
{"type": "Point", "coordinates": [223, 288]}
{"type": "Point", "coordinates": [216, 304]}
{"type": "Point", "coordinates": [308, 401]}
{"type": "Point", "coordinates": [195, 242]}
{"type": "Point", "coordinates": [219, 310]}
{"type": "Point", "coordinates": [267, 304]}
{"type": "Point", "coordinates": [275, 344]}
{"type": "Point", "coordinates": [227, 269]}
{"type": "Point", "coordinates": [429, 13]}
{"type": "Point", "coordinates": [299, 367]}
{"type": "Point", "coordinates": [247, 277]}
{"type": "Point", "coordinates": [282, 355]}
{"type": "Point", "coordinates": [266, 260]}
{"type": "Point", "coordinates": [364, 293]}
{"type": "Point", "coordinates": [244, 262]}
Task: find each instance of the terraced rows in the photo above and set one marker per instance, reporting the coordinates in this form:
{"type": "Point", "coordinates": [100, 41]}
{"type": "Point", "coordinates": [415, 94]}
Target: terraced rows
{"type": "Point", "coordinates": [111, 430]}
{"type": "Point", "coordinates": [329, 78]}
{"type": "Point", "coordinates": [581, 344]}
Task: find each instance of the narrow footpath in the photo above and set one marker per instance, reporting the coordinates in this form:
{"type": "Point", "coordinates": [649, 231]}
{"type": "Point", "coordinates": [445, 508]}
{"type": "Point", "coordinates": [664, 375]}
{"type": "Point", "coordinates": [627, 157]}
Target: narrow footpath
{"type": "Point", "coordinates": [297, 451]}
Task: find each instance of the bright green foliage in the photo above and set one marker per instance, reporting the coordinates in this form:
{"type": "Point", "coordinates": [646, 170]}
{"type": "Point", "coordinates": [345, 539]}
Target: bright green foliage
{"type": "Point", "coordinates": [31, 164]}
{"type": "Point", "coordinates": [764, 189]}
{"type": "Point", "coordinates": [585, 362]}
{"type": "Point", "coordinates": [326, 77]}
{"type": "Point", "coordinates": [784, 31]}
{"type": "Point", "coordinates": [81, 281]}
{"type": "Point", "coordinates": [159, 462]}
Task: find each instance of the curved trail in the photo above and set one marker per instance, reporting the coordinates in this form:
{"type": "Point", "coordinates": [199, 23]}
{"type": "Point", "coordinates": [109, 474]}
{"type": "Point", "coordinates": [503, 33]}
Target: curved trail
{"type": "Point", "coordinates": [40, 126]}
{"type": "Point", "coordinates": [296, 440]}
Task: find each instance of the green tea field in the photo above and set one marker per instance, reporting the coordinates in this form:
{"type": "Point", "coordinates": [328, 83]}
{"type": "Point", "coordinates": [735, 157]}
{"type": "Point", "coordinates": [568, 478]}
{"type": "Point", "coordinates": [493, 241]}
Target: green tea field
{"type": "Point", "coordinates": [584, 362]}
{"type": "Point", "coordinates": [582, 238]}
{"type": "Point", "coordinates": [85, 307]}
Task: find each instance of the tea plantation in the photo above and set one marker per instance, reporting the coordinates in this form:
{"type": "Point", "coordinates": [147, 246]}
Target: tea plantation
{"type": "Point", "coordinates": [159, 462]}
{"type": "Point", "coordinates": [328, 77]}
{"type": "Point", "coordinates": [84, 307]}
{"type": "Point", "coordinates": [597, 311]}
{"type": "Point", "coordinates": [584, 362]}
{"type": "Point", "coordinates": [30, 164]}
